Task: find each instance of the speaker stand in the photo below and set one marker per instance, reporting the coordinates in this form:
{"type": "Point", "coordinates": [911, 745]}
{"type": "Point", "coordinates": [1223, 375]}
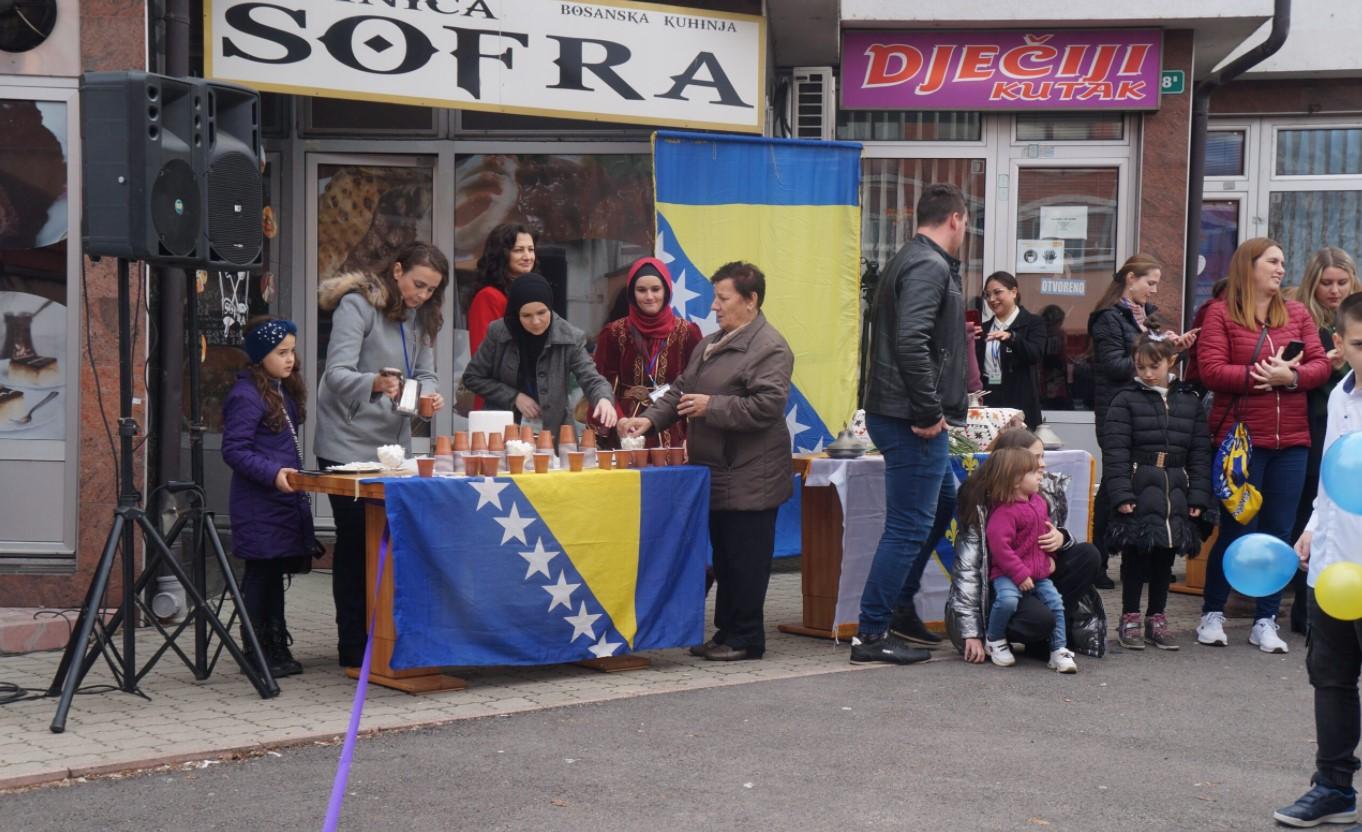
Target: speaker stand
{"type": "Point", "coordinates": [91, 638]}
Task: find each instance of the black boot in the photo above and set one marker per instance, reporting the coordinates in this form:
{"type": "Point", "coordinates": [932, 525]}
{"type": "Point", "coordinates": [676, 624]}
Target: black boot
{"type": "Point", "coordinates": [251, 658]}
{"type": "Point", "coordinates": [908, 626]}
{"type": "Point", "coordinates": [281, 658]}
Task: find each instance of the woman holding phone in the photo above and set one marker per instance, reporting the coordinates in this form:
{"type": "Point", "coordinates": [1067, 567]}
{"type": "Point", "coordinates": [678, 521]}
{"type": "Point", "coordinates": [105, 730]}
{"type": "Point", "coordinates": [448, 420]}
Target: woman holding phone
{"type": "Point", "coordinates": [1011, 350]}
{"type": "Point", "coordinates": [1261, 355]}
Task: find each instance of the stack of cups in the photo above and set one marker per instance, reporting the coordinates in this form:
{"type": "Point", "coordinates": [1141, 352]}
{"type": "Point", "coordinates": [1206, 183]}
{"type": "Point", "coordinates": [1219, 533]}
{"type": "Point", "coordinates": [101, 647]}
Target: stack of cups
{"type": "Point", "coordinates": [567, 443]}
{"type": "Point", "coordinates": [444, 455]}
{"type": "Point", "coordinates": [460, 451]}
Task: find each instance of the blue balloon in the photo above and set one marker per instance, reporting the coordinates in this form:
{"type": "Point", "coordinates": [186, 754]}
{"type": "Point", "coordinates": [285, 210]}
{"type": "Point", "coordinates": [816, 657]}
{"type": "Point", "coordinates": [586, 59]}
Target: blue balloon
{"type": "Point", "coordinates": [1341, 472]}
{"type": "Point", "coordinates": [1259, 564]}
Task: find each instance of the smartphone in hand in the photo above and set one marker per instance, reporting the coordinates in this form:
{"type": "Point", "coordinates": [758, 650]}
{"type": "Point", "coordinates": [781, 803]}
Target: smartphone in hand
{"type": "Point", "coordinates": [972, 317]}
{"type": "Point", "coordinates": [1293, 349]}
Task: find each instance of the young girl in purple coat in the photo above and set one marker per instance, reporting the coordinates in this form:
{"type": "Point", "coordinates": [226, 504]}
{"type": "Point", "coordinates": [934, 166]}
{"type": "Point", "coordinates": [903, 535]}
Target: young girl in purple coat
{"type": "Point", "coordinates": [271, 523]}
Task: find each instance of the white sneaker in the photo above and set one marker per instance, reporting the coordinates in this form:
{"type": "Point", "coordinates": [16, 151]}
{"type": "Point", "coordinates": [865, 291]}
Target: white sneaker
{"type": "Point", "coordinates": [1211, 630]}
{"type": "Point", "coordinates": [1000, 653]}
{"type": "Point", "coordinates": [1062, 661]}
{"type": "Point", "coordinates": [1264, 636]}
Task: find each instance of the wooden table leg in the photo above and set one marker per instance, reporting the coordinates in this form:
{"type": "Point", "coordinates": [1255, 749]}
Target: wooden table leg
{"type": "Point", "coordinates": [820, 570]}
{"type": "Point", "coordinates": [381, 671]}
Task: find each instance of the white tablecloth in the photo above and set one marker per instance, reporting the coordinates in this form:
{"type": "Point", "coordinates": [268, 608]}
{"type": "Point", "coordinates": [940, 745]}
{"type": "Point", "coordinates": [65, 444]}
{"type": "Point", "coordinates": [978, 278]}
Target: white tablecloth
{"type": "Point", "coordinates": [860, 488]}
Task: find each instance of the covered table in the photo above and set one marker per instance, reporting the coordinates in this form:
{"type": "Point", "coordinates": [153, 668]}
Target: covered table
{"type": "Point", "coordinates": [842, 517]}
{"type": "Point", "coordinates": [530, 569]}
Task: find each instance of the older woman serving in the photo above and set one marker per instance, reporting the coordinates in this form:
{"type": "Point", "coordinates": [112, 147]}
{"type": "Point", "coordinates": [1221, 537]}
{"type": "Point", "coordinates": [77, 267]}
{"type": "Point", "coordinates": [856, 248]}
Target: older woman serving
{"type": "Point", "coordinates": [733, 393]}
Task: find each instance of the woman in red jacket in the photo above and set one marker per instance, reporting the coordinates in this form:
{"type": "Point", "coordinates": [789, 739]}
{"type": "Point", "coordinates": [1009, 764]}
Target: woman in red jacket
{"type": "Point", "coordinates": [507, 254]}
{"type": "Point", "coordinates": [1241, 360]}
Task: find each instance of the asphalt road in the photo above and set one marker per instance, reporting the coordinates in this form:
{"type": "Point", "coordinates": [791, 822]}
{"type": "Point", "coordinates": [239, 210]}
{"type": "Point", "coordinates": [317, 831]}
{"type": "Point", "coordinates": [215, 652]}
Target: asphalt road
{"type": "Point", "coordinates": [1205, 739]}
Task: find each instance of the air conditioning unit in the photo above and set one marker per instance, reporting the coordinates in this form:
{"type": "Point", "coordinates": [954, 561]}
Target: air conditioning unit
{"type": "Point", "coordinates": [812, 103]}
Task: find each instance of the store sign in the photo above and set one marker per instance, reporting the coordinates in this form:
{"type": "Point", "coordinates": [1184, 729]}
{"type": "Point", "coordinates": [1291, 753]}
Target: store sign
{"type": "Point", "coordinates": [1017, 70]}
{"type": "Point", "coordinates": [601, 60]}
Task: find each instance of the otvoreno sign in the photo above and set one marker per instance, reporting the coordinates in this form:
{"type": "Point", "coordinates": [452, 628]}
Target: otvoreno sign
{"type": "Point", "coordinates": [607, 60]}
{"type": "Point", "coordinates": [1114, 69]}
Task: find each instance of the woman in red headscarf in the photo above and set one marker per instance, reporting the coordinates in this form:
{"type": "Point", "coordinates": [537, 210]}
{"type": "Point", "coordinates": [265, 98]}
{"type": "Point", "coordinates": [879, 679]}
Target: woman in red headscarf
{"type": "Point", "coordinates": [648, 349]}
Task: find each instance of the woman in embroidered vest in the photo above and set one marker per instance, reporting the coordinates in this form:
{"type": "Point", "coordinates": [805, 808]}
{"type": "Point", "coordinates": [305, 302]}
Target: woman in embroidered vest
{"type": "Point", "coordinates": [647, 350]}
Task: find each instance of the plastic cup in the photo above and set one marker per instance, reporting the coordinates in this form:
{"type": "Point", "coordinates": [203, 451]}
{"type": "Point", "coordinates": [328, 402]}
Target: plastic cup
{"type": "Point", "coordinates": [541, 462]}
{"type": "Point", "coordinates": [443, 446]}
{"type": "Point", "coordinates": [605, 460]}
{"type": "Point", "coordinates": [479, 442]}
{"type": "Point", "coordinates": [676, 456]}
{"type": "Point", "coordinates": [639, 458]}
{"type": "Point", "coordinates": [460, 440]}
{"type": "Point", "coordinates": [490, 464]}
{"type": "Point", "coordinates": [575, 460]}
{"type": "Point", "coordinates": [472, 464]}
{"type": "Point", "coordinates": [657, 457]}
{"type": "Point", "coordinates": [567, 435]}
{"type": "Point", "coordinates": [515, 463]}
{"type": "Point", "coordinates": [425, 466]}
{"type": "Point", "coordinates": [426, 405]}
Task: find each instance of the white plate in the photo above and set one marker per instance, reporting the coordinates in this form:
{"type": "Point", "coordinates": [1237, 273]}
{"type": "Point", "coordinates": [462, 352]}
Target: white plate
{"type": "Point", "coordinates": [357, 468]}
{"type": "Point", "coordinates": [45, 414]}
{"type": "Point", "coordinates": [26, 385]}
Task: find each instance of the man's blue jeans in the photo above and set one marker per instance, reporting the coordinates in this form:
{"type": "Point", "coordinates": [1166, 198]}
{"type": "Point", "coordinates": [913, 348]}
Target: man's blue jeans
{"type": "Point", "coordinates": [1006, 597]}
{"type": "Point", "coordinates": [1280, 476]}
{"type": "Point", "coordinates": [919, 502]}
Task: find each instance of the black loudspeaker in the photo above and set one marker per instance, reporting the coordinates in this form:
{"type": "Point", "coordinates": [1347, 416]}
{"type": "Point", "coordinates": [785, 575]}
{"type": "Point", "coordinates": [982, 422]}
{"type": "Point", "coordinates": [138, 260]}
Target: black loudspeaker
{"type": "Point", "coordinates": [233, 190]}
{"type": "Point", "coordinates": [142, 137]}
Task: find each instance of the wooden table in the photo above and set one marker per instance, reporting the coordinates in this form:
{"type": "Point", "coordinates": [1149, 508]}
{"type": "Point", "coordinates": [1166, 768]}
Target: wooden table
{"type": "Point", "coordinates": [380, 599]}
{"type": "Point", "coordinates": [820, 569]}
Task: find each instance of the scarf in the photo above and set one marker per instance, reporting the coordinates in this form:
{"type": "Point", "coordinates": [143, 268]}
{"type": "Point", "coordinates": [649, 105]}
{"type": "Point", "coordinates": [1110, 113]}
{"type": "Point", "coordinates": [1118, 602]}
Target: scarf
{"type": "Point", "coordinates": [1137, 310]}
{"type": "Point", "coordinates": [651, 327]}
{"type": "Point", "coordinates": [527, 289]}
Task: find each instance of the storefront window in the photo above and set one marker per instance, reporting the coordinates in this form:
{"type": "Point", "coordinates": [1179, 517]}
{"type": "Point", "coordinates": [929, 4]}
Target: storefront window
{"type": "Point", "coordinates": [863, 126]}
{"type": "Point", "coordinates": [1071, 127]}
{"type": "Point", "coordinates": [1319, 152]}
{"type": "Point", "coordinates": [1066, 255]}
{"type": "Point", "coordinates": [889, 192]}
{"type": "Point", "coordinates": [594, 213]}
{"type": "Point", "coordinates": [1225, 153]}
{"type": "Point", "coordinates": [1219, 239]}
{"type": "Point", "coordinates": [1303, 221]}
{"type": "Point", "coordinates": [34, 364]}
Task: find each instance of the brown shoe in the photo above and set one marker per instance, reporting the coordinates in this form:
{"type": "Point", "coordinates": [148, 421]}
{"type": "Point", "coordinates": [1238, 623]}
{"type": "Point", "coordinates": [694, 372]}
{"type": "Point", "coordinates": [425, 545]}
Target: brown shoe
{"type": "Point", "coordinates": [699, 650]}
{"type": "Point", "coordinates": [724, 653]}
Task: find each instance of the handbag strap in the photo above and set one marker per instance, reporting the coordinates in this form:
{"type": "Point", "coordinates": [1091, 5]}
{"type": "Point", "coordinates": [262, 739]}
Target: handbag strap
{"type": "Point", "coordinates": [1248, 370]}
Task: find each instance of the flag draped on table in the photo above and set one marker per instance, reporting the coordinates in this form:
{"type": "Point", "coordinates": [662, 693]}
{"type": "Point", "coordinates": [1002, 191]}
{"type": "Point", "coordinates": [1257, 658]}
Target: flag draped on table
{"type": "Point", "coordinates": [792, 208]}
{"type": "Point", "coordinates": [547, 569]}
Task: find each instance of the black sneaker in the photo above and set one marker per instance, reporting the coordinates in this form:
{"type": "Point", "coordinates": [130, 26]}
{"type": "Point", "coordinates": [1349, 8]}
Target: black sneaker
{"type": "Point", "coordinates": [885, 647]}
{"type": "Point", "coordinates": [1322, 804]}
{"type": "Point", "coordinates": [1103, 582]}
{"type": "Point", "coordinates": [906, 625]}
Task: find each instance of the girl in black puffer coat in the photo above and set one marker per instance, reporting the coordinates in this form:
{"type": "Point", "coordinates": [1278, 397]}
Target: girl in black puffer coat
{"type": "Point", "coordinates": [1156, 469]}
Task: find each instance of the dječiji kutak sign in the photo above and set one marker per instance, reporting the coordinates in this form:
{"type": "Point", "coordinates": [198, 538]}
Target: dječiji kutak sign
{"type": "Point", "coordinates": [1051, 69]}
{"type": "Point", "coordinates": [605, 60]}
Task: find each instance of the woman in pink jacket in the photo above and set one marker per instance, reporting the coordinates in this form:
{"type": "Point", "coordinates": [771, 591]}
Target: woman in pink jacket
{"type": "Point", "coordinates": [1259, 354]}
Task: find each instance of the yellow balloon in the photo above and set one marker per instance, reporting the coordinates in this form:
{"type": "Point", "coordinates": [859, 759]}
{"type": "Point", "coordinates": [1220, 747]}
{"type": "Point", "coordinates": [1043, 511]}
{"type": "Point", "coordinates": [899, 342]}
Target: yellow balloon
{"type": "Point", "coordinates": [1338, 590]}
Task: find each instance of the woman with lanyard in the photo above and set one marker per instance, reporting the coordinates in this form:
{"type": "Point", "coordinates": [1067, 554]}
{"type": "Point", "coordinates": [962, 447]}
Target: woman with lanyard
{"type": "Point", "coordinates": [643, 353]}
{"type": "Point", "coordinates": [378, 324]}
{"type": "Point", "coordinates": [1011, 350]}
{"type": "Point", "coordinates": [524, 362]}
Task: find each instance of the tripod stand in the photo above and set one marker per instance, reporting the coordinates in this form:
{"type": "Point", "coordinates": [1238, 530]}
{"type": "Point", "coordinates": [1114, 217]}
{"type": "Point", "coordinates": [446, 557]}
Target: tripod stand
{"type": "Point", "coordinates": [80, 655]}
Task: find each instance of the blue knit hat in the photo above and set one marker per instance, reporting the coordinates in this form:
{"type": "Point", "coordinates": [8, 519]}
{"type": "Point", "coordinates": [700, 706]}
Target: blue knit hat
{"type": "Point", "coordinates": [262, 340]}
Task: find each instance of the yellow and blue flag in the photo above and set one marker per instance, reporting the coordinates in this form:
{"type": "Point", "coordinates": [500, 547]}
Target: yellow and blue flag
{"type": "Point", "coordinates": [544, 569]}
{"type": "Point", "coordinates": [792, 208]}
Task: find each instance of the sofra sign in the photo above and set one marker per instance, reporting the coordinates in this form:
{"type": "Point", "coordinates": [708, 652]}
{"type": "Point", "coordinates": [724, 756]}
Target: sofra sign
{"type": "Point", "coordinates": [608, 60]}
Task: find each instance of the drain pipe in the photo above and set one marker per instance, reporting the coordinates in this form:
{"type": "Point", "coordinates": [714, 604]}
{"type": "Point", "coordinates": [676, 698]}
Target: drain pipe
{"type": "Point", "coordinates": [1201, 116]}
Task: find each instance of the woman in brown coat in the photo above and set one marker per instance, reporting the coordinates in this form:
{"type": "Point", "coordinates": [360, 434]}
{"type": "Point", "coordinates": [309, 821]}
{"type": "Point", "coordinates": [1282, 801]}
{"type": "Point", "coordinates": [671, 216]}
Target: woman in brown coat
{"type": "Point", "coordinates": [733, 393]}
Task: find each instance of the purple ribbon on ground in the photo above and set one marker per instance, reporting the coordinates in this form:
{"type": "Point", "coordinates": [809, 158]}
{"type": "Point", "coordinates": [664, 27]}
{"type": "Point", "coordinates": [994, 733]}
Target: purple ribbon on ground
{"type": "Point", "coordinates": [333, 808]}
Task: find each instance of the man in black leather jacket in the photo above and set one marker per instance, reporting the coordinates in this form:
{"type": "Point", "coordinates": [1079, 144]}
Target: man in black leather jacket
{"type": "Point", "coordinates": [916, 386]}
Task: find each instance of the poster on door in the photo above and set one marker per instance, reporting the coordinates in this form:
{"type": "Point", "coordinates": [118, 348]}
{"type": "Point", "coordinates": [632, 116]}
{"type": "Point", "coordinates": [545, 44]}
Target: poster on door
{"type": "Point", "coordinates": [1040, 257]}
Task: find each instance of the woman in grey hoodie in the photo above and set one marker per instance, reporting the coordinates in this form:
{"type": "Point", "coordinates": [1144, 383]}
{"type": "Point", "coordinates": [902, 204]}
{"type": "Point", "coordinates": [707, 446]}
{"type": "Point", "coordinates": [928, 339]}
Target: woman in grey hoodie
{"type": "Point", "coordinates": [378, 321]}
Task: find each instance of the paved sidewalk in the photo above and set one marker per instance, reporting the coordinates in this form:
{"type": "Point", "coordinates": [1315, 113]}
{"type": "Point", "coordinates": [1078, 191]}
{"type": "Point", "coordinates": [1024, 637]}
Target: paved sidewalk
{"type": "Point", "coordinates": [188, 720]}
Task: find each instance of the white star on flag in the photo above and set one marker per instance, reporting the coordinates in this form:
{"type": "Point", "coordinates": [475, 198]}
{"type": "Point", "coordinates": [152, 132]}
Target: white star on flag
{"type": "Point", "coordinates": [561, 592]}
{"type": "Point", "coordinates": [489, 492]}
{"type": "Point", "coordinates": [681, 295]}
{"type": "Point", "coordinates": [793, 425]}
{"type": "Point", "coordinates": [660, 250]}
{"type": "Point", "coordinates": [707, 324]}
{"type": "Point", "coordinates": [582, 623]}
{"type": "Point", "coordinates": [538, 560]}
{"type": "Point", "coordinates": [816, 449]}
{"type": "Point", "coordinates": [602, 648]}
{"type": "Point", "coordinates": [513, 526]}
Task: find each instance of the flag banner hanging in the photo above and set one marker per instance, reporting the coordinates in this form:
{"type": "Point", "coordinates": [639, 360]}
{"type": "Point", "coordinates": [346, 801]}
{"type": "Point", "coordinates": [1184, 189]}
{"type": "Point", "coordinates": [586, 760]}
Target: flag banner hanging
{"type": "Point", "coordinates": [792, 208]}
{"type": "Point", "coordinates": [544, 569]}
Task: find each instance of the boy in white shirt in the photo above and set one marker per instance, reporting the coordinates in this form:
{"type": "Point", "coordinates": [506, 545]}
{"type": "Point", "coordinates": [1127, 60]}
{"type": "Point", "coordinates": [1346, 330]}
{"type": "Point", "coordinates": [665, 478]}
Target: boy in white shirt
{"type": "Point", "coordinates": [1335, 654]}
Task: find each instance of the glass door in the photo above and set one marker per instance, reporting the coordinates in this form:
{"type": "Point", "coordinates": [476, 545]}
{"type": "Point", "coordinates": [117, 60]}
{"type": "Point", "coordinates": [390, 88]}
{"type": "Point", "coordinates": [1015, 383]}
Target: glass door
{"type": "Point", "coordinates": [359, 210]}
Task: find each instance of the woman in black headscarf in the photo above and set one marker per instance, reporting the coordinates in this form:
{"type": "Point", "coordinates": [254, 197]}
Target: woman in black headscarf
{"type": "Point", "coordinates": [524, 362]}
